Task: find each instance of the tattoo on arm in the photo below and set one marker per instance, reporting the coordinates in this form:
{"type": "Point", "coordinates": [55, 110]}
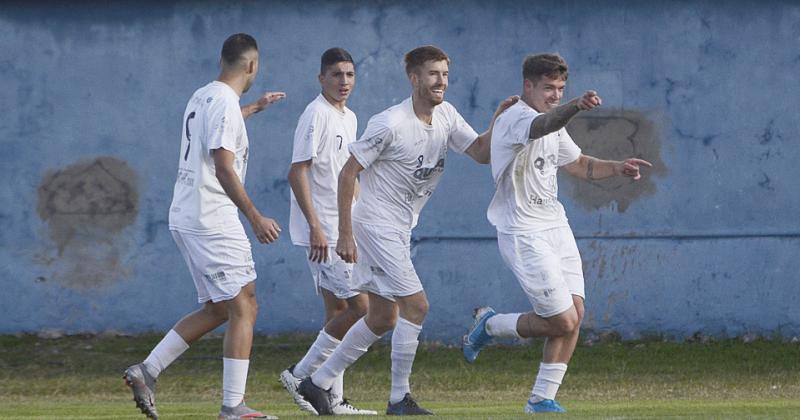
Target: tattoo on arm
{"type": "Point", "coordinates": [554, 120]}
{"type": "Point", "coordinates": [590, 169]}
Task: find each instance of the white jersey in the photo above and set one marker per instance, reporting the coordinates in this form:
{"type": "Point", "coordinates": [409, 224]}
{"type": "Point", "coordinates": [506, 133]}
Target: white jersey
{"type": "Point", "coordinates": [403, 160]}
{"type": "Point", "coordinates": [322, 136]}
{"type": "Point", "coordinates": [212, 120]}
{"type": "Point", "coordinates": [524, 173]}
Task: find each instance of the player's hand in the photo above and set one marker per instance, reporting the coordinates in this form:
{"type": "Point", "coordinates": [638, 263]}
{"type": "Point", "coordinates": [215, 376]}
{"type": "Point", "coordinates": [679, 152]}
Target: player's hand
{"type": "Point", "coordinates": [589, 100]}
{"type": "Point", "coordinates": [266, 100]}
{"type": "Point", "coordinates": [319, 245]}
{"type": "Point", "coordinates": [346, 248]}
{"type": "Point", "coordinates": [505, 104]}
{"type": "Point", "coordinates": [630, 168]}
{"type": "Point", "coordinates": [266, 229]}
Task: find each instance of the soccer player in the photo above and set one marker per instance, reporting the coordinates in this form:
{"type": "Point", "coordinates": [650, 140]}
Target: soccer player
{"type": "Point", "coordinates": [205, 224]}
{"type": "Point", "coordinates": [402, 155]}
{"type": "Point", "coordinates": [325, 130]}
{"type": "Point", "coordinates": [529, 144]}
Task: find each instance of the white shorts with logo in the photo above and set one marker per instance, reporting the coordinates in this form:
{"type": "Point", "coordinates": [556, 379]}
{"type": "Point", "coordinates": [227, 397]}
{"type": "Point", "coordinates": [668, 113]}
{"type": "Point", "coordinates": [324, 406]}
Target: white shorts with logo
{"type": "Point", "coordinates": [334, 275]}
{"type": "Point", "coordinates": [220, 264]}
{"type": "Point", "coordinates": [384, 261]}
{"type": "Point", "coordinates": [547, 265]}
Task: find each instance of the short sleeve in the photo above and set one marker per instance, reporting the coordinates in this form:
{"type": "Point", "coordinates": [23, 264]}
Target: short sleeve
{"type": "Point", "coordinates": [568, 151]}
{"type": "Point", "coordinates": [306, 137]}
{"type": "Point", "coordinates": [461, 133]}
{"type": "Point", "coordinates": [224, 118]}
{"type": "Point", "coordinates": [521, 125]}
{"type": "Point", "coordinates": [373, 142]}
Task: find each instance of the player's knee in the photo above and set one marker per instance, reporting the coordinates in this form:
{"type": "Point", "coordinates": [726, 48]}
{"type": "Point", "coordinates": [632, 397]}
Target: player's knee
{"type": "Point", "coordinates": [381, 322]}
{"type": "Point", "coordinates": [357, 307]}
{"type": "Point", "coordinates": [216, 311]}
{"type": "Point", "coordinates": [566, 323]}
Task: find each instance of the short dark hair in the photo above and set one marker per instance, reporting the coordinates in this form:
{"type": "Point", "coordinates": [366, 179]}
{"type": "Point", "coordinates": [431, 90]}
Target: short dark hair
{"type": "Point", "coordinates": [551, 65]}
{"type": "Point", "coordinates": [332, 56]}
{"type": "Point", "coordinates": [420, 55]}
{"type": "Point", "coordinates": [236, 46]}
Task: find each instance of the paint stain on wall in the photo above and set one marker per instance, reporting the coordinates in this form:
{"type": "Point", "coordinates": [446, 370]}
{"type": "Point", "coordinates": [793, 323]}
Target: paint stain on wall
{"type": "Point", "coordinates": [86, 206]}
{"type": "Point", "coordinates": [616, 135]}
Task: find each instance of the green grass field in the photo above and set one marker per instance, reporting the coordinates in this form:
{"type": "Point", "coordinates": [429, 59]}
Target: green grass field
{"type": "Point", "coordinates": [79, 377]}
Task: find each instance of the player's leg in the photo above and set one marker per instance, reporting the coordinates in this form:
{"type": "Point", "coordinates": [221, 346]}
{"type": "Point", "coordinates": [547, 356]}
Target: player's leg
{"type": "Point", "coordinates": [141, 378]}
{"type": "Point", "coordinates": [405, 339]}
{"type": "Point", "coordinates": [380, 318]}
{"type": "Point", "coordinates": [558, 349]}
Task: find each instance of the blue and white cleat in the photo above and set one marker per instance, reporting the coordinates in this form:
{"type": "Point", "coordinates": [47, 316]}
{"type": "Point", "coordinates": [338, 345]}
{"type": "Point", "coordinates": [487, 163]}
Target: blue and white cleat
{"type": "Point", "coordinates": [544, 406]}
{"type": "Point", "coordinates": [477, 337]}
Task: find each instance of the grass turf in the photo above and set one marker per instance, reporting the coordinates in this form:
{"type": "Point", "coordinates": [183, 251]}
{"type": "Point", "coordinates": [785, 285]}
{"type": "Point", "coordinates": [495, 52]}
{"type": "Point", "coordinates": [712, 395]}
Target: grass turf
{"type": "Point", "coordinates": [80, 377]}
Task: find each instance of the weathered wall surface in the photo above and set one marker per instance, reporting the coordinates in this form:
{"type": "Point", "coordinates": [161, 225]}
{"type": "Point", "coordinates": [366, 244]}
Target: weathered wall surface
{"type": "Point", "coordinates": [708, 242]}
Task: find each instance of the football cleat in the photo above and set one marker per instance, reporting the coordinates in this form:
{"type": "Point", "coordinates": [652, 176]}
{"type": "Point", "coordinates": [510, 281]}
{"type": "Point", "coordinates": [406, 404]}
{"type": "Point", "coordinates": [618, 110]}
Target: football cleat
{"type": "Point", "coordinates": [143, 386]}
{"type": "Point", "coordinates": [477, 337]}
{"type": "Point", "coordinates": [406, 407]}
{"type": "Point", "coordinates": [345, 408]}
{"type": "Point", "coordinates": [544, 406]}
{"type": "Point", "coordinates": [319, 398]}
{"type": "Point", "coordinates": [241, 411]}
{"type": "Point", "coordinates": [291, 383]}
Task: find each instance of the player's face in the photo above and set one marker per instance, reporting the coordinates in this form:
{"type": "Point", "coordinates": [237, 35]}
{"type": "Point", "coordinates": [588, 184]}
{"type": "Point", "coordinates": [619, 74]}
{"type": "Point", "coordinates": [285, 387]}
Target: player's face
{"type": "Point", "coordinates": [546, 93]}
{"type": "Point", "coordinates": [338, 81]}
{"type": "Point", "coordinates": [430, 81]}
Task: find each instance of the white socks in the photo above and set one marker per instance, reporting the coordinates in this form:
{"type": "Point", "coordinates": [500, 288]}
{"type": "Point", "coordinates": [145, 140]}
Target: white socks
{"type": "Point", "coordinates": [319, 352]}
{"type": "Point", "coordinates": [547, 381]}
{"type": "Point", "coordinates": [164, 353]}
{"type": "Point", "coordinates": [337, 390]}
{"type": "Point", "coordinates": [234, 380]}
{"type": "Point", "coordinates": [404, 348]}
{"type": "Point", "coordinates": [503, 325]}
{"type": "Point", "coordinates": [354, 344]}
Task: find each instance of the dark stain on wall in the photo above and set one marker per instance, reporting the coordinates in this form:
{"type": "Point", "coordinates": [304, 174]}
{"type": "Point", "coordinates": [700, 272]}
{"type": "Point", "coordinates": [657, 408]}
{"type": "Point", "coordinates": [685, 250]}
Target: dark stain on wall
{"type": "Point", "coordinates": [616, 135]}
{"type": "Point", "coordinates": [86, 206]}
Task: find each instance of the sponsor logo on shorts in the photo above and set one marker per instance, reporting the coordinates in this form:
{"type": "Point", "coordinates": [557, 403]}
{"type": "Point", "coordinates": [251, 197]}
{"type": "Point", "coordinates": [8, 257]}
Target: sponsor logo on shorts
{"type": "Point", "coordinates": [548, 292]}
{"type": "Point", "coordinates": [377, 270]}
{"type": "Point", "coordinates": [215, 277]}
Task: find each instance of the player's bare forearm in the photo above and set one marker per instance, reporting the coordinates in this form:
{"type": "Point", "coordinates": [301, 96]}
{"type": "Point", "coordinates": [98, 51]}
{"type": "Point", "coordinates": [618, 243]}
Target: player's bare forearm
{"type": "Point", "coordinates": [591, 168]}
{"type": "Point", "coordinates": [298, 181]}
{"type": "Point", "coordinates": [345, 194]}
{"type": "Point", "coordinates": [235, 190]}
{"type": "Point", "coordinates": [265, 229]}
{"type": "Point", "coordinates": [480, 149]}
{"type": "Point", "coordinates": [262, 103]}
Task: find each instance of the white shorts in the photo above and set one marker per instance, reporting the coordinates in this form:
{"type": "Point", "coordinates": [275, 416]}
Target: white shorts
{"type": "Point", "coordinates": [334, 275]}
{"type": "Point", "coordinates": [384, 261]}
{"type": "Point", "coordinates": [547, 265]}
{"type": "Point", "coordinates": [220, 264]}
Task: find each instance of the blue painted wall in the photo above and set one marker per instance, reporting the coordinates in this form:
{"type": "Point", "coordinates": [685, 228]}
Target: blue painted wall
{"type": "Point", "coordinates": [92, 97]}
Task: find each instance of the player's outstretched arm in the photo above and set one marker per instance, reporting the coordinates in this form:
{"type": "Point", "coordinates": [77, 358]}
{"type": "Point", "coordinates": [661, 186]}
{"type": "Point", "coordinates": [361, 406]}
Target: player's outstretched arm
{"type": "Point", "coordinates": [480, 149]}
{"type": "Point", "coordinates": [346, 246]}
{"type": "Point", "coordinates": [266, 229]}
{"type": "Point", "coordinates": [558, 118]}
{"type": "Point", "coordinates": [298, 180]}
{"type": "Point", "coordinates": [591, 168]}
{"type": "Point", "coordinates": [262, 103]}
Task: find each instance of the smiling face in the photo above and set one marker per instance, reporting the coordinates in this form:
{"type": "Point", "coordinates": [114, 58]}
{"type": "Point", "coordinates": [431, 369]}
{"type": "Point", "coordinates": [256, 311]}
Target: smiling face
{"type": "Point", "coordinates": [544, 94]}
{"type": "Point", "coordinates": [337, 82]}
{"type": "Point", "coordinates": [429, 81]}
